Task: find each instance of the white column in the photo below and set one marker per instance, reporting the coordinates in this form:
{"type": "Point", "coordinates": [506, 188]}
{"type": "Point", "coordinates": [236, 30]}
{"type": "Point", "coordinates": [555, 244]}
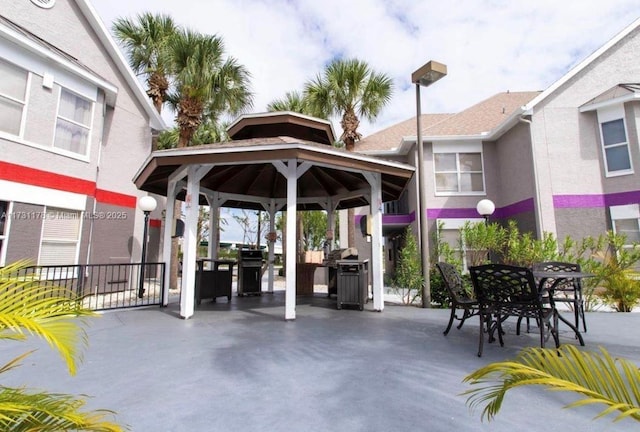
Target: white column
{"type": "Point", "coordinates": [190, 240]}
{"type": "Point", "coordinates": [292, 192]}
{"type": "Point", "coordinates": [169, 216]}
{"type": "Point", "coordinates": [376, 267]}
{"type": "Point", "coordinates": [167, 236]}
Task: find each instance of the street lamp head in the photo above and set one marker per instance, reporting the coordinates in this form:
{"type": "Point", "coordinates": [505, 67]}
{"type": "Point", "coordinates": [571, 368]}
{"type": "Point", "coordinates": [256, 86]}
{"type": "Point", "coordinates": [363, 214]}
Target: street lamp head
{"type": "Point", "coordinates": [485, 207]}
{"type": "Point", "coordinates": [429, 73]}
{"type": "Point", "coordinates": [147, 204]}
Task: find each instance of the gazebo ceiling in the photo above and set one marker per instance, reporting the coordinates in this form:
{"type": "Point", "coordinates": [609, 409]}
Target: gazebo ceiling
{"type": "Point", "coordinates": [244, 168]}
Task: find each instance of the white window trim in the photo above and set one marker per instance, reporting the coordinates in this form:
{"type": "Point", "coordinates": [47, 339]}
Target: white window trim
{"type": "Point", "coordinates": [25, 103]}
{"type": "Point", "coordinates": [76, 241]}
{"type": "Point", "coordinates": [457, 148]}
{"type": "Point", "coordinates": [457, 224]}
{"type": "Point", "coordinates": [624, 212]}
{"type": "Point", "coordinates": [606, 115]}
{"type": "Point", "coordinates": [55, 149]}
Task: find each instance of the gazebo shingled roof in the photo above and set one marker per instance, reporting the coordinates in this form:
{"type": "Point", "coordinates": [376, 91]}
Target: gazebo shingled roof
{"type": "Point", "coordinates": [243, 167]}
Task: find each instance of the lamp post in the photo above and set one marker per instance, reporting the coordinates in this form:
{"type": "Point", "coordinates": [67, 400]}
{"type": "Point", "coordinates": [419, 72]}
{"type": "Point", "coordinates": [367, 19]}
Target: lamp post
{"type": "Point", "coordinates": [425, 76]}
{"type": "Point", "coordinates": [147, 204]}
{"type": "Point", "coordinates": [485, 208]}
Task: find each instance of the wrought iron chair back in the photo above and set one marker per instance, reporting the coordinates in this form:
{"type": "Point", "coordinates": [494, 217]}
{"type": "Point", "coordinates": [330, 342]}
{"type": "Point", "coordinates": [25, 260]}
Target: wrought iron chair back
{"type": "Point", "coordinates": [503, 291]}
{"type": "Point", "coordinates": [460, 299]}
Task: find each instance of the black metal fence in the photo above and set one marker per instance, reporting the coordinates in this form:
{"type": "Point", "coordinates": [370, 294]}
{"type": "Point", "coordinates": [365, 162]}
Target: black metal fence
{"type": "Point", "coordinates": [105, 286]}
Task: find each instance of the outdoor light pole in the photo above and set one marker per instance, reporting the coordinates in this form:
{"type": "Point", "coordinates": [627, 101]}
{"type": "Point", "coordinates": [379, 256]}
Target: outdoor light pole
{"type": "Point", "coordinates": [147, 204]}
{"type": "Point", "coordinates": [425, 76]}
{"type": "Point", "coordinates": [485, 208]}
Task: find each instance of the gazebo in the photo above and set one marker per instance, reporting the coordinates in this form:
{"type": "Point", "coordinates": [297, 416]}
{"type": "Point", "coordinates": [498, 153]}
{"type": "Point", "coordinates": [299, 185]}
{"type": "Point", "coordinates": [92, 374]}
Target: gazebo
{"type": "Point", "coordinates": [275, 161]}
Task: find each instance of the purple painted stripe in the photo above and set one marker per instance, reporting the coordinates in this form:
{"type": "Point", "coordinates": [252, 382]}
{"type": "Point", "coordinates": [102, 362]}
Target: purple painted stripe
{"type": "Point", "coordinates": [514, 209]}
{"type": "Point", "coordinates": [596, 200]}
{"type": "Point", "coordinates": [578, 201]}
{"type": "Point", "coordinates": [471, 213]}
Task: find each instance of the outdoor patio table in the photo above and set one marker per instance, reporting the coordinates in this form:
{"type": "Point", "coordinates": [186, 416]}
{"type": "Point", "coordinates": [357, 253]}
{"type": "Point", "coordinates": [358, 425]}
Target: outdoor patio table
{"type": "Point", "coordinates": [559, 277]}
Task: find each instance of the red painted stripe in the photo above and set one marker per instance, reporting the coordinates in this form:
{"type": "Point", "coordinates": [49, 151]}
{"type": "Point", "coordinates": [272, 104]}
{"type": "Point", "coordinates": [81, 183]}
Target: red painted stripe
{"type": "Point", "coordinates": [155, 223]}
{"type": "Point", "coordinates": [115, 198]}
{"type": "Point", "coordinates": [36, 177]}
{"type": "Point", "coordinates": [46, 179]}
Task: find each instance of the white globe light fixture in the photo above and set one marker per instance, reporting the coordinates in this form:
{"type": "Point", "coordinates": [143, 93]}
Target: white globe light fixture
{"type": "Point", "coordinates": [147, 204]}
{"type": "Point", "coordinates": [485, 208]}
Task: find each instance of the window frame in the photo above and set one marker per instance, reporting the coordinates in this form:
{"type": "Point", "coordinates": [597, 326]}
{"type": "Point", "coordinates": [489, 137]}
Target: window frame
{"type": "Point", "coordinates": [625, 212]}
{"type": "Point", "coordinates": [458, 149]}
{"type": "Point", "coordinates": [450, 224]}
{"type": "Point", "coordinates": [88, 128]}
{"type": "Point", "coordinates": [23, 102]}
{"type": "Point", "coordinates": [609, 115]}
{"type": "Point", "coordinates": [59, 240]}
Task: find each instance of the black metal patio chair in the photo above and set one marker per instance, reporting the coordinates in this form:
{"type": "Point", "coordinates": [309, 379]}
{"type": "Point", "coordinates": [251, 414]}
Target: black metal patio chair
{"type": "Point", "coordinates": [460, 299]}
{"type": "Point", "coordinates": [565, 291]}
{"type": "Point", "coordinates": [505, 291]}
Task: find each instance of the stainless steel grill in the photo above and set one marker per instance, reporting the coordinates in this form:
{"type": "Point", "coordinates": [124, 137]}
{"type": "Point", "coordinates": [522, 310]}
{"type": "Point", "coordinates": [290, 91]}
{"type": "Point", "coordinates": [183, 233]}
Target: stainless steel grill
{"type": "Point", "coordinates": [249, 272]}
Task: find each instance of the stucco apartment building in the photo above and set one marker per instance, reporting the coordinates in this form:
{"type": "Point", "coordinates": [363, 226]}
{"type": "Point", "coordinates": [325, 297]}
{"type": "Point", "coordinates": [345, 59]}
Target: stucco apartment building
{"type": "Point", "coordinates": [565, 160]}
{"type": "Point", "coordinates": [75, 126]}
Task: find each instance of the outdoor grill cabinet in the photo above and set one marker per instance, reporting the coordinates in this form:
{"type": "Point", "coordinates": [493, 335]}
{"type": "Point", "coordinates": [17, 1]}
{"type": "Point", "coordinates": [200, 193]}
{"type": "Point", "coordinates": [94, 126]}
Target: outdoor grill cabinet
{"type": "Point", "coordinates": [352, 282]}
{"type": "Point", "coordinates": [249, 272]}
{"type": "Point", "coordinates": [213, 279]}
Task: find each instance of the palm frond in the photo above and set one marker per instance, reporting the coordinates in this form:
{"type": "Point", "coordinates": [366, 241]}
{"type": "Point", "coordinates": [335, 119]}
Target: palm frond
{"type": "Point", "coordinates": [39, 411]}
{"type": "Point", "coordinates": [597, 377]}
{"type": "Point", "coordinates": [51, 313]}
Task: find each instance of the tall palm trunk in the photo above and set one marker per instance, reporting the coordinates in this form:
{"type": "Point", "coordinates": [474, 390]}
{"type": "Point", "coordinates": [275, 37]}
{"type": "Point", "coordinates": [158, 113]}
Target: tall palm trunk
{"type": "Point", "coordinates": [350, 125]}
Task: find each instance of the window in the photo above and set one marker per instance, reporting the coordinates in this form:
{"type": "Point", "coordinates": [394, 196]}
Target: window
{"type": "Point", "coordinates": [449, 232]}
{"type": "Point", "coordinates": [616, 148]}
{"type": "Point", "coordinates": [458, 173]}
{"type": "Point", "coordinates": [13, 87]}
{"type": "Point", "coordinates": [626, 220]}
{"type": "Point", "coordinates": [60, 236]}
{"type": "Point", "coordinates": [4, 226]}
{"type": "Point", "coordinates": [73, 124]}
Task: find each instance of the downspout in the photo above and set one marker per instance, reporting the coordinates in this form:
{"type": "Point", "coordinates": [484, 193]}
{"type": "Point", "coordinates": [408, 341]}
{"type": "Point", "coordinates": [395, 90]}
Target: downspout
{"type": "Point", "coordinates": [536, 197]}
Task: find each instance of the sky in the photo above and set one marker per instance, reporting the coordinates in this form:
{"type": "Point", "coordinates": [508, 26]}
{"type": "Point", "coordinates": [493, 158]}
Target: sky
{"type": "Point", "coordinates": [489, 46]}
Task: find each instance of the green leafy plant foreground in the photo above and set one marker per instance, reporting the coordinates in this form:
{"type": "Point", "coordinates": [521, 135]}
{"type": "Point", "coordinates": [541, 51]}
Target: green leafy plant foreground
{"type": "Point", "coordinates": [29, 309]}
{"type": "Point", "coordinates": [596, 376]}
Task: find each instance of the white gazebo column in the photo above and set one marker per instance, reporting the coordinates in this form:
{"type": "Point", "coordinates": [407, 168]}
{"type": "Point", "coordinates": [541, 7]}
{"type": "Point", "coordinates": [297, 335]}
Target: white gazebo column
{"type": "Point", "coordinates": [169, 217]}
{"type": "Point", "coordinates": [292, 172]}
{"type": "Point", "coordinates": [191, 240]}
{"type": "Point", "coordinates": [377, 284]}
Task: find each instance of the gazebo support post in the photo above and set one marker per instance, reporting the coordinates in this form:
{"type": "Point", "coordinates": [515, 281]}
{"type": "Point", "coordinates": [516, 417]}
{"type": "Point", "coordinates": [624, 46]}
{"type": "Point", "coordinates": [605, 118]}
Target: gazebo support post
{"type": "Point", "coordinates": [190, 251]}
{"type": "Point", "coordinates": [292, 192]}
{"type": "Point", "coordinates": [377, 285]}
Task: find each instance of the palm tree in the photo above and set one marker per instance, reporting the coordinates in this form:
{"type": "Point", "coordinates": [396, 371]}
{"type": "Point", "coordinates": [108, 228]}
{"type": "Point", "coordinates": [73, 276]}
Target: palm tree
{"type": "Point", "coordinates": [350, 89]}
{"type": "Point", "coordinates": [145, 41]}
{"type": "Point", "coordinates": [600, 379]}
{"type": "Point", "coordinates": [206, 84]}
{"type": "Point", "coordinates": [27, 308]}
{"type": "Point", "coordinates": [292, 101]}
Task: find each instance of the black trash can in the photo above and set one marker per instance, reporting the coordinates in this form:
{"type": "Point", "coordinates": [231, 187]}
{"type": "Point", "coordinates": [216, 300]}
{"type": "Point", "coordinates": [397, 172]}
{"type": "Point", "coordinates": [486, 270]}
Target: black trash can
{"type": "Point", "coordinates": [213, 279]}
{"type": "Point", "coordinates": [352, 282]}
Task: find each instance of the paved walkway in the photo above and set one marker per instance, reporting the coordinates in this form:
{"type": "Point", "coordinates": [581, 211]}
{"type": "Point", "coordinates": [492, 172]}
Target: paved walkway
{"type": "Point", "coordinates": [239, 366]}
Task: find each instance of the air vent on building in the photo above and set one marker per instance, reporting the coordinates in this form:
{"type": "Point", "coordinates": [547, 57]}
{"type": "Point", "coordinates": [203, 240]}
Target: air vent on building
{"type": "Point", "coordinates": [44, 4]}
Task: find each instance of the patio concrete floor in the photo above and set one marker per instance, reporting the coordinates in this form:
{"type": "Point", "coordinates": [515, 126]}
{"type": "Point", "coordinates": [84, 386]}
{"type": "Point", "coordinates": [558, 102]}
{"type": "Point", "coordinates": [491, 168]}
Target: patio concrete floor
{"type": "Point", "coordinates": [239, 366]}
